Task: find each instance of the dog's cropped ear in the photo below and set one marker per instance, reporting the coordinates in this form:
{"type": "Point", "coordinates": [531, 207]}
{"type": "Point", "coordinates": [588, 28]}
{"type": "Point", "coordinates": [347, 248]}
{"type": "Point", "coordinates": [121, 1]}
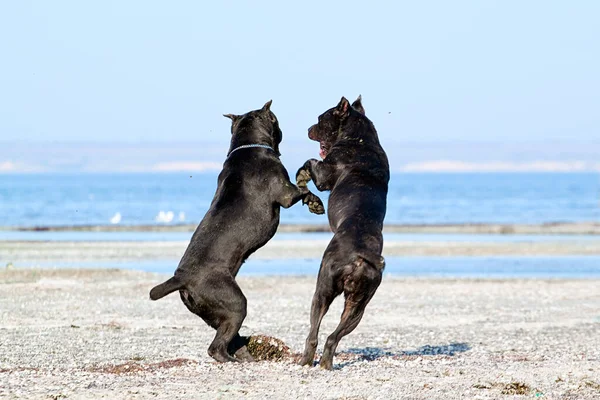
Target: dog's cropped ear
{"type": "Point", "coordinates": [357, 105]}
{"type": "Point", "coordinates": [234, 120]}
{"type": "Point", "coordinates": [267, 106]}
{"type": "Point", "coordinates": [343, 108]}
{"type": "Point", "coordinates": [232, 117]}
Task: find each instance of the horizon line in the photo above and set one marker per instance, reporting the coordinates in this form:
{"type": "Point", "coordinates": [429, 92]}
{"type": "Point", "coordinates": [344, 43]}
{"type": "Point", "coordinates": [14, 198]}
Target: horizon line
{"type": "Point", "coordinates": [431, 166]}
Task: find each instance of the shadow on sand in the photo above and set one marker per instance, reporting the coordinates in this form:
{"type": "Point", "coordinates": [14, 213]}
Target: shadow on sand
{"type": "Point", "coordinates": [356, 355]}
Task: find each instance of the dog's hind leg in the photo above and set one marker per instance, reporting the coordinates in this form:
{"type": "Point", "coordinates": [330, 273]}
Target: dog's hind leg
{"type": "Point", "coordinates": [239, 348]}
{"type": "Point", "coordinates": [320, 305]}
{"type": "Point", "coordinates": [322, 299]}
{"type": "Point", "coordinates": [224, 308]}
{"type": "Point", "coordinates": [359, 288]}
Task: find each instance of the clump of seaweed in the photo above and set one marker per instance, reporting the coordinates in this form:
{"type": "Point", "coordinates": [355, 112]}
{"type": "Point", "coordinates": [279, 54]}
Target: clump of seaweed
{"type": "Point", "coordinates": [266, 348]}
{"type": "Point", "coordinates": [482, 386]}
{"type": "Point", "coordinates": [516, 388]}
{"type": "Point", "coordinates": [592, 384]}
{"type": "Point", "coordinates": [126, 368]}
{"type": "Point", "coordinates": [131, 367]}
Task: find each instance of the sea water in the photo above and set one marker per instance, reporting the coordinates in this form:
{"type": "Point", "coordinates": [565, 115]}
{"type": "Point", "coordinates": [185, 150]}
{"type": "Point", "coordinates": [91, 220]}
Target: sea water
{"type": "Point", "coordinates": [28, 200]}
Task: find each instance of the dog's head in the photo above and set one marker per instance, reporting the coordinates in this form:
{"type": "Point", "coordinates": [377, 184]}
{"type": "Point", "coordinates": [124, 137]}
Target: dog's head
{"type": "Point", "coordinates": [256, 127]}
{"type": "Point", "coordinates": [328, 128]}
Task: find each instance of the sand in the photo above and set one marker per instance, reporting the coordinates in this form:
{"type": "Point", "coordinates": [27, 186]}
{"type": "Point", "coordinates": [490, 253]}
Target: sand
{"type": "Point", "coordinates": [550, 228]}
{"type": "Point", "coordinates": [29, 252]}
{"type": "Point", "coordinates": [94, 334]}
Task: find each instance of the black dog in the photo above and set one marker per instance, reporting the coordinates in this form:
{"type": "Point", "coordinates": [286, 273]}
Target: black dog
{"type": "Point", "coordinates": [355, 168]}
{"type": "Point", "coordinates": [242, 218]}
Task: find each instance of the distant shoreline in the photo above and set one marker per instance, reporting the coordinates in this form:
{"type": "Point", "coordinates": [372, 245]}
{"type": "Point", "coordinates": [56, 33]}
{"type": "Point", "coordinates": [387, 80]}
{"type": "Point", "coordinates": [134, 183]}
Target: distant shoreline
{"type": "Point", "coordinates": [550, 228]}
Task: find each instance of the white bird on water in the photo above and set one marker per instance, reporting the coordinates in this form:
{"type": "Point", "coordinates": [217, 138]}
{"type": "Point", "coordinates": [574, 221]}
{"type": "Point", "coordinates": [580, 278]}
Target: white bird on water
{"type": "Point", "coordinates": [165, 217]}
{"type": "Point", "coordinates": [116, 218]}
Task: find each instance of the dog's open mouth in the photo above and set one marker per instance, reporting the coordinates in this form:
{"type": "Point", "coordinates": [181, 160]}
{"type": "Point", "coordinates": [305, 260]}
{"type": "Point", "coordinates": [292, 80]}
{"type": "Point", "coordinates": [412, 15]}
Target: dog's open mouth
{"type": "Point", "coordinates": [324, 149]}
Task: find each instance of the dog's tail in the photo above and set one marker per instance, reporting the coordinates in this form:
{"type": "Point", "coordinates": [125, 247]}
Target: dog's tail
{"type": "Point", "coordinates": [171, 285]}
{"type": "Point", "coordinates": [372, 258]}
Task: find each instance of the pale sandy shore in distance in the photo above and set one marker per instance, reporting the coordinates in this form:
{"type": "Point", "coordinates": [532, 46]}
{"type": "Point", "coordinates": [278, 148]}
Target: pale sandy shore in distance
{"type": "Point", "coordinates": [80, 334]}
{"type": "Point", "coordinates": [563, 228]}
{"type": "Point", "coordinates": [20, 252]}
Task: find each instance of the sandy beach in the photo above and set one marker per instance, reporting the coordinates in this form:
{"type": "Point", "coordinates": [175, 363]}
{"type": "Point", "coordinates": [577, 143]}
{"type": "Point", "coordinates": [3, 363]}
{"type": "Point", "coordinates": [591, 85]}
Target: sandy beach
{"type": "Point", "coordinates": [550, 228]}
{"type": "Point", "coordinates": [27, 252]}
{"type": "Point", "coordinates": [94, 334]}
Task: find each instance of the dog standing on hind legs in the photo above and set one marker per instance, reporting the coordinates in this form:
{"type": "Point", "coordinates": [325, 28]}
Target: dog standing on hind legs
{"type": "Point", "coordinates": [242, 217]}
{"type": "Point", "coordinates": [355, 169]}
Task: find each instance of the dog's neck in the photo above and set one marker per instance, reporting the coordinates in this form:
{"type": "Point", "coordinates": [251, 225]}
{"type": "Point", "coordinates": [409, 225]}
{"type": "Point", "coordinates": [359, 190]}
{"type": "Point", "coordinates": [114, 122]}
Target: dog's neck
{"type": "Point", "coordinates": [250, 146]}
{"type": "Point", "coordinates": [247, 139]}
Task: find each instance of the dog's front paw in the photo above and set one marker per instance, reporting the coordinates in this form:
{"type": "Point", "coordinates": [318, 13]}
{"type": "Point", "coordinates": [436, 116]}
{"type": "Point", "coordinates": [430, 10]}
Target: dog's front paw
{"type": "Point", "coordinates": [315, 205]}
{"type": "Point", "coordinates": [302, 178]}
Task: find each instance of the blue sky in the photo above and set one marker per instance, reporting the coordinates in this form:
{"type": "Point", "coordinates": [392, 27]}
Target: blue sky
{"type": "Point", "coordinates": [429, 71]}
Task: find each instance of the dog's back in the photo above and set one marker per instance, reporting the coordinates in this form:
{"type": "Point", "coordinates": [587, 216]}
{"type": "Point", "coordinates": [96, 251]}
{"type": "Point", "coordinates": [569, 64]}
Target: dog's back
{"type": "Point", "coordinates": [240, 220]}
{"type": "Point", "coordinates": [358, 199]}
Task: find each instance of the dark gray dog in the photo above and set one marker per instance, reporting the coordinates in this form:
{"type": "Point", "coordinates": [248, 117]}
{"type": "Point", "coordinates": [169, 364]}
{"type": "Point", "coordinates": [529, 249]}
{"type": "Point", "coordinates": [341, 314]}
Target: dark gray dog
{"type": "Point", "coordinates": [242, 218]}
{"type": "Point", "coordinates": [355, 168]}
